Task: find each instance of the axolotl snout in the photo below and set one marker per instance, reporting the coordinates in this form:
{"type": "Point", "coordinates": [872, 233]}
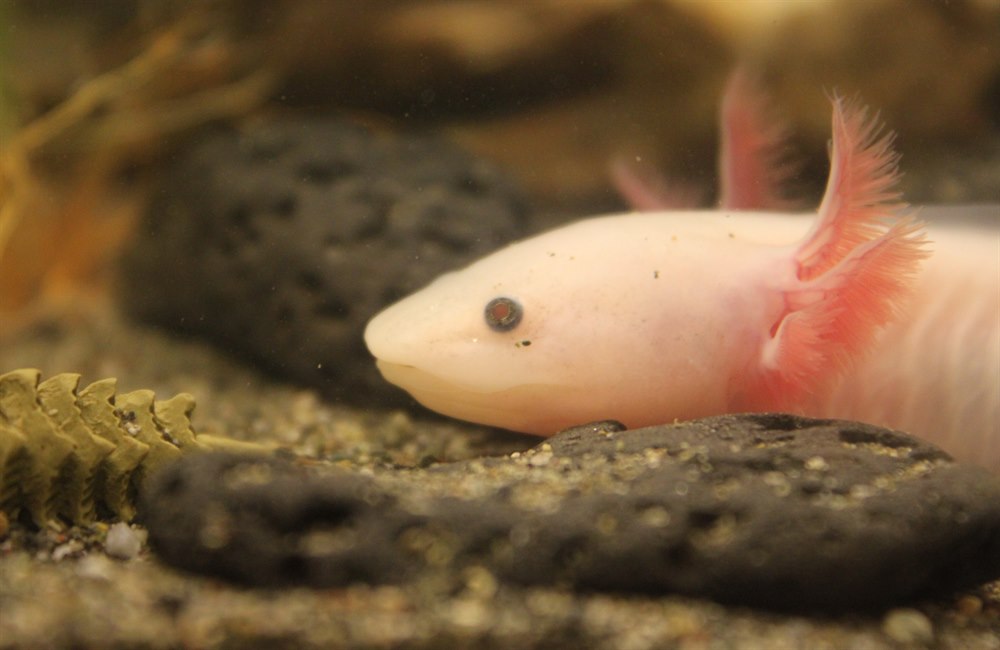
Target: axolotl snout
{"type": "Point", "coordinates": [859, 311]}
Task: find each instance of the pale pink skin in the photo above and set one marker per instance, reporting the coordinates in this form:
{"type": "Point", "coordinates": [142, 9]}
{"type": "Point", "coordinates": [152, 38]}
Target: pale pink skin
{"type": "Point", "coordinates": [653, 317]}
{"type": "Point", "coordinates": [935, 371]}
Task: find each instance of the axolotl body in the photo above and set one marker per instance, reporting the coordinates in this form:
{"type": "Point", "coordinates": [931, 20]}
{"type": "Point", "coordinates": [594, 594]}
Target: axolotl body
{"type": "Point", "coordinates": [860, 312]}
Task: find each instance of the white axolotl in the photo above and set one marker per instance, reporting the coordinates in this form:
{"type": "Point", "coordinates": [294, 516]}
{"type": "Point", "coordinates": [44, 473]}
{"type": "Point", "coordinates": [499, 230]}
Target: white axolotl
{"type": "Point", "coordinates": [859, 312]}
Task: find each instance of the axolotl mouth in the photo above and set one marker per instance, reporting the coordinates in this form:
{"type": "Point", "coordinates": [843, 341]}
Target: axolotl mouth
{"type": "Point", "coordinates": [485, 407]}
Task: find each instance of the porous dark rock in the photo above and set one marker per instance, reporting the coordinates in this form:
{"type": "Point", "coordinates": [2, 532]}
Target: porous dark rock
{"type": "Point", "coordinates": [281, 240]}
{"type": "Point", "coordinates": [773, 511]}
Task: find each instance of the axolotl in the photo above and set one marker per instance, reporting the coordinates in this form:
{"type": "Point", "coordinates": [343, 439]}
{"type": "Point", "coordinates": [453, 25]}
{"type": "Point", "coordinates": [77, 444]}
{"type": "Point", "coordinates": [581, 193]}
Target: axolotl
{"type": "Point", "coordinates": [858, 311]}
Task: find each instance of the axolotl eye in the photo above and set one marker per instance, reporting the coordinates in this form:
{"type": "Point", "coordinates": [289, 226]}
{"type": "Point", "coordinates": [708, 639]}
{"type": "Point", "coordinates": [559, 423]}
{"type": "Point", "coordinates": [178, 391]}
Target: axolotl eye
{"type": "Point", "coordinates": [503, 314]}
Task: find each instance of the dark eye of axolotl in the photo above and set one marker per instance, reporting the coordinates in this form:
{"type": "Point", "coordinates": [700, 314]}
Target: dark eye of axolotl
{"type": "Point", "coordinates": [503, 314]}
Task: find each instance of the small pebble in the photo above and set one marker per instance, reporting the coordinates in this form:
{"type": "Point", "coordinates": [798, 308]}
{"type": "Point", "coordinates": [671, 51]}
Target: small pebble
{"type": "Point", "coordinates": [71, 548]}
{"type": "Point", "coordinates": [969, 605]}
{"type": "Point", "coordinates": [122, 542]}
{"type": "Point", "coordinates": [540, 458]}
{"type": "Point", "coordinates": [908, 626]}
{"type": "Point", "coordinates": [95, 567]}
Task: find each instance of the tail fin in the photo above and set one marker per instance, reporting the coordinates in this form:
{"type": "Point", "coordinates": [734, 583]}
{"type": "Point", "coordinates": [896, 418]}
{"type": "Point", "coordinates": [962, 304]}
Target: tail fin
{"type": "Point", "coordinates": [854, 268]}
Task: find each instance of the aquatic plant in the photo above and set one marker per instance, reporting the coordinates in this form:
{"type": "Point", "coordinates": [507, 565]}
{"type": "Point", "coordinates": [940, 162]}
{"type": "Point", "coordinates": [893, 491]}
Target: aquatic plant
{"type": "Point", "coordinates": [64, 212]}
{"type": "Point", "coordinates": [83, 454]}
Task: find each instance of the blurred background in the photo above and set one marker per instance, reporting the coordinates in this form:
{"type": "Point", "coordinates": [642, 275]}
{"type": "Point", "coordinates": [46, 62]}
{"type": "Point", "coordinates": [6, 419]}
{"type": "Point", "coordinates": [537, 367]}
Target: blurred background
{"type": "Point", "coordinates": [97, 99]}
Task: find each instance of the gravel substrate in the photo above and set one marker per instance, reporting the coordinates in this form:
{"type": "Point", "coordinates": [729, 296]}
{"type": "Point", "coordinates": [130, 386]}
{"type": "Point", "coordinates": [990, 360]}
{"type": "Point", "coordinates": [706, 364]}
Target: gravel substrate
{"type": "Point", "coordinates": [60, 587]}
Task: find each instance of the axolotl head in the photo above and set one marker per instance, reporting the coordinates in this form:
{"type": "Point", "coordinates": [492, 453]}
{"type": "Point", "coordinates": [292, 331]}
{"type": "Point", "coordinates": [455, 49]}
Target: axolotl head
{"type": "Point", "coordinates": [598, 320]}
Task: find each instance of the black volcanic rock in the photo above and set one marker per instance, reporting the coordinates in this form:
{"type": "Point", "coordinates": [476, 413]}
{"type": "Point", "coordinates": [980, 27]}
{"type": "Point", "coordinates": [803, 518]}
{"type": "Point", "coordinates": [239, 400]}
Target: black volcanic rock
{"type": "Point", "coordinates": [281, 241]}
{"type": "Point", "coordinates": [772, 511]}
